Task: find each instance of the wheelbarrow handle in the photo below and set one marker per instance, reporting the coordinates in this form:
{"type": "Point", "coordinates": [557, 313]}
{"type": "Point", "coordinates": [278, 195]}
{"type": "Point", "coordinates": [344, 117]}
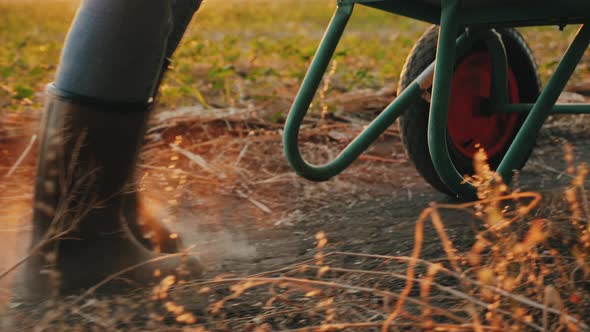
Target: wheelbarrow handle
{"type": "Point", "coordinates": [305, 96]}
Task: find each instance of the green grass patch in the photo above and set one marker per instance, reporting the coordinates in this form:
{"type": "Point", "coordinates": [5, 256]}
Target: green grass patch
{"type": "Point", "coordinates": [235, 50]}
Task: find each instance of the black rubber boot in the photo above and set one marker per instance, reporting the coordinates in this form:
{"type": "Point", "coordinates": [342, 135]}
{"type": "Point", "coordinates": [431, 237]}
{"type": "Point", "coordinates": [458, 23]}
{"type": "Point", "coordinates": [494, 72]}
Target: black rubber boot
{"type": "Point", "coordinates": [85, 205]}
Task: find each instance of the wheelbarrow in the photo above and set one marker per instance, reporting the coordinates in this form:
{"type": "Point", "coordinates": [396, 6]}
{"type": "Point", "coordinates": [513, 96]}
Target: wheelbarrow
{"type": "Point", "coordinates": [470, 82]}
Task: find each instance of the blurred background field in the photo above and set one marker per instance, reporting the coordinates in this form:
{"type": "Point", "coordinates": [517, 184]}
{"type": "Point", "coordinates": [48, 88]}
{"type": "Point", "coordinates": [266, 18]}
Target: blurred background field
{"type": "Point", "coordinates": [235, 51]}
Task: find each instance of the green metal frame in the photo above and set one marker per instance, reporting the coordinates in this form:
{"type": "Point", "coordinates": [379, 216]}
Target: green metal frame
{"type": "Point", "coordinates": [474, 24]}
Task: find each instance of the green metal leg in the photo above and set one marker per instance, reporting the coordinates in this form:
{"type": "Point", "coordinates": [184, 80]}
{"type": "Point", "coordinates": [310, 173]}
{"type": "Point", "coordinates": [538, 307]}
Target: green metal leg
{"type": "Point", "coordinates": [494, 44]}
{"type": "Point", "coordinates": [309, 87]}
{"type": "Point", "coordinates": [499, 93]}
{"type": "Point", "coordinates": [447, 51]}
{"type": "Point", "coordinates": [439, 107]}
{"type": "Point", "coordinates": [543, 107]}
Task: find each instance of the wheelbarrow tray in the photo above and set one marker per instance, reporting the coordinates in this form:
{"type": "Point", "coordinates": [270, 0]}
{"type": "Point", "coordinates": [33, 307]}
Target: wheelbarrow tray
{"type": "Point", "coordinates": [491, 13]}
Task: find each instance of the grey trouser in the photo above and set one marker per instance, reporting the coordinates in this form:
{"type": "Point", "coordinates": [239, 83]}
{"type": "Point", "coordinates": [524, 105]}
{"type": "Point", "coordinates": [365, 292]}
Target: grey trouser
{"type": "Point", "coordinates": [116, 49]}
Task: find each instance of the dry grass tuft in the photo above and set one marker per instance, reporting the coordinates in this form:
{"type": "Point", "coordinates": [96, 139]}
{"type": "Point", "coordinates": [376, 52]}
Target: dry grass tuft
{"type": "Point", "coordinates": [519, 275]}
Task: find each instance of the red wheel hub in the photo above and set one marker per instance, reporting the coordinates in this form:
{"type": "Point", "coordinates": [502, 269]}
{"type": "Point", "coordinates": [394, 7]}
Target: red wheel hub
{"type": "Point", "coordinates": [470, 125]}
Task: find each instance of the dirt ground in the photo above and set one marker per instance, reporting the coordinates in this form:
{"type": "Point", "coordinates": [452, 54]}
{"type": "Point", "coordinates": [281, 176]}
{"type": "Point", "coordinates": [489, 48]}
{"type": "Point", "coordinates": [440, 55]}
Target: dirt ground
{"type": "Point", "coordinates": [372, 208]}
{"type": "Point", "coordinates": [244, 210]}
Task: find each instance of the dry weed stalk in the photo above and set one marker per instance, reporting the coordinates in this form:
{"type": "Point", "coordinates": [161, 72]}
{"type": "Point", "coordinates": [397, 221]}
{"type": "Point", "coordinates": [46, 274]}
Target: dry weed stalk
{"type": "Point", "coordinates": [324, 108]}
{"type": "Point", "coordinates": [508, 281]}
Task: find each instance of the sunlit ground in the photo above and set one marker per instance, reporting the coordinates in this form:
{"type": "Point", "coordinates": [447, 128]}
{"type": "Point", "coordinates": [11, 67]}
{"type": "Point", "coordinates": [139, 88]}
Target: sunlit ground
{"type": "Point", "coordinates": [245, 60]}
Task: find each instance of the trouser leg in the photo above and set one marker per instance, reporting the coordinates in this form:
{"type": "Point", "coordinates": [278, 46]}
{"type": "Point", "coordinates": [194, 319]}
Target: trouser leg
{"type": "Point", "coordinates": [182, 13]}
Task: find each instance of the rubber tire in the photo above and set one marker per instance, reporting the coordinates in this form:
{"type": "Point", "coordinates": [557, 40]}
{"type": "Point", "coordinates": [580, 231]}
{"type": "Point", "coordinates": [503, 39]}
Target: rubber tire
{"type": "Point", "coordinates": [413, 123]}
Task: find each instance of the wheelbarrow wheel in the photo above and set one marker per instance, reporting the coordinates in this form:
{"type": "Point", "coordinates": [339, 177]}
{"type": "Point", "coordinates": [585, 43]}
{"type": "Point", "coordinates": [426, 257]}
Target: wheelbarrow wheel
{"type": "Point", "coordinates": [469, 126]}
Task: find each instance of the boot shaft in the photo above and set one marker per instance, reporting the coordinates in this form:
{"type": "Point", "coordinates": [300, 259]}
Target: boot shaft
{"type": "Point", "coordinates": [86, 163]}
